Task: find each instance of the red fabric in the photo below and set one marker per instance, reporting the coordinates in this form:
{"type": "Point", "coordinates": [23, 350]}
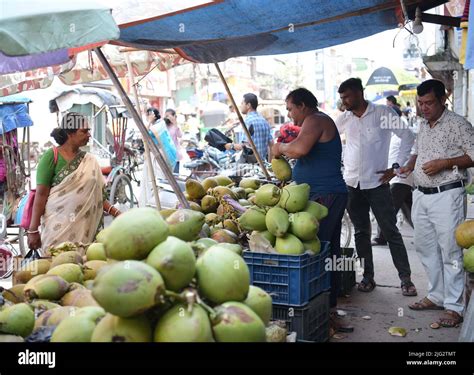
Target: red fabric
{"type": "Point", "coordinates": [288, 133]}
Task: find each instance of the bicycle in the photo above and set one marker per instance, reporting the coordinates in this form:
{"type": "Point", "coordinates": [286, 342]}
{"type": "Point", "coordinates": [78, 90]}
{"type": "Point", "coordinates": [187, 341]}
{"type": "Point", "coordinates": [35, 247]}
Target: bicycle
{"type": "Point", "coordinates": [118, 182]}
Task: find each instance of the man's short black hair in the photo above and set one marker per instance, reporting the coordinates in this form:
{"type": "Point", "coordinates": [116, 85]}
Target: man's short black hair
{"type": "Point", "coordinates": [302, 95]}
{"type": "Point", "coordinates": [251, 99]}
{"type": "Point", "coordinates": [354, 84]}
{"type": "Point", "coordinates": [432, 85]}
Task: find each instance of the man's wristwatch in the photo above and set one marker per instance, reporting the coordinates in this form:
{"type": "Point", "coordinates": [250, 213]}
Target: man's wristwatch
{"type": "Point", "coordinates": [232, 147]}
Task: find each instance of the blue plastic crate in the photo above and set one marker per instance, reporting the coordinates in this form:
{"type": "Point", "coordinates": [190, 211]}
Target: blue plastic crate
{"type": "Point", "coordinates": [291, 279]}
{"type": "Point", "coordinates": [310, 322]}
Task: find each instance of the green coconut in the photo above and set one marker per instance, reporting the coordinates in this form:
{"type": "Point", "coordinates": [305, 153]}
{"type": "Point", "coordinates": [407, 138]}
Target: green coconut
{"type": "Point", "coordinates": [236, 322]}
{"type": "Point", "coordinates": [113, 328]}
{"type": "Point", "coordinates": [17, 320]}
{"type": "Point", "coordinates": [96, 251]}
{"type": "Point", "coordinates": [128, 288]}
{"type": "Point", "coordinates": [194, 189]}
{"type": "Point", "coordinates": [224, 236]}
{"type": "Point", "coordinates": [209, 204]}
{"type": "Point", "coordinates": [234, 247]}
{"type": "Point", "coordinates": [318, 210]}
{"type": "Point", "coordinates": [249, 183]}
{"type": "Point", "coordinates": [174, 259]}
{"type": "Point", "coordinates": [184, 324]}
{"type": "Point", "coordinates": [222, 276]}
{"type": "Point", "coordinates": [281, 168]}
{"type": "Point", "coordinates": [304, 225]}
{"type": "Point", "coordinates": [208, 183]}
{"type": "Point", "coordinates": [79, 327]}
{"type": "Point", "coordinates": [185, 224]}
{"type": "Point", "coordinates": [313, 245]}
{"type": "Point", "coordinates": [134, 234]}
{"type": "Point", "coordinates": [469, 260]}
{"type": "Point", "coordinates": [70, 272]}
{"type": "Point", "coordinates": [294, 198]}
{"type": "Point", "coordinates": [267, 195]}
{"type": "Point", "coordinates": [253, 219]}
{"type": "Point", "coordinates": [289, 244]}
{"type": "Point", "coordinates": [277, 221]}
{"type": "Point", "coordinates": [260, 302]}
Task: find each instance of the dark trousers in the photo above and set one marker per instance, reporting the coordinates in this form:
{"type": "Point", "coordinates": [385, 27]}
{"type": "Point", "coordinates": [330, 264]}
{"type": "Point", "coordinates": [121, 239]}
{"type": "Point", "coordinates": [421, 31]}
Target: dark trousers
{"type": "Point", "coordinates": [379, 200]}
{"type": "Point", "coordinates": [402, 199]}
{"type": "Point", "coordinates": [330, 230]}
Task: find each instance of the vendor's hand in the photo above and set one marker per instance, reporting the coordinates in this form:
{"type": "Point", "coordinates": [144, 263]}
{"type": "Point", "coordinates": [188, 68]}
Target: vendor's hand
{"type": "Point", "coordinates": [433, 167]}
{"type": "Point", "coordinates": [387, 175]}
{"type": "Point", "coordinates": [34, 241]}
{"type": "Point", "coordinates": [276, 151]}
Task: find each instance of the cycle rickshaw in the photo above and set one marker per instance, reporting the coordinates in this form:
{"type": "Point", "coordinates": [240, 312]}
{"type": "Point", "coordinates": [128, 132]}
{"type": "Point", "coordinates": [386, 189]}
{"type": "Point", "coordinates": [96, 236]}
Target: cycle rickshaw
{"type": "Point", "coordinates": [14, 177]}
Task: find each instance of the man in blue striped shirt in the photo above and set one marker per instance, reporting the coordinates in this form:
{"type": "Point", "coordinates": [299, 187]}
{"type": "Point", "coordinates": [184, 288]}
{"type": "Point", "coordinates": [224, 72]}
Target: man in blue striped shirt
{"type": "Point", "coordinates": [257, 126]}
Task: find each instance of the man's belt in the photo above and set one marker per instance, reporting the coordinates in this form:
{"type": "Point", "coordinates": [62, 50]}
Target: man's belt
{"type": "Point", "coordinates": [439, 189]}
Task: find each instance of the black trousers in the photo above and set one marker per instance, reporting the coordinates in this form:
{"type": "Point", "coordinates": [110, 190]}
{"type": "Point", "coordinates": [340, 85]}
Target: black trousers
{"type": "Point", "coordinates": [402, 199]}
{"type": "Point", "coordinates": [379, 200]}
{"type": "Point", "coordinates": [330, 230]}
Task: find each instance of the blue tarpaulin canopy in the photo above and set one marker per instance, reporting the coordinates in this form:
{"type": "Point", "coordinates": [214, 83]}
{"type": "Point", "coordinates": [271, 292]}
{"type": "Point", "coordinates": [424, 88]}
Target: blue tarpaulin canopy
{"type": "Point", "coordinates": [14, 116]}
{"type": "Point", "coordinates": [233, 28]}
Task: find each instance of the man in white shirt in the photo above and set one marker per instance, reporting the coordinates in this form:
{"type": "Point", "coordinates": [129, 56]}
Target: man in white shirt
{"type": "Point", "coordinates": [368, 129]}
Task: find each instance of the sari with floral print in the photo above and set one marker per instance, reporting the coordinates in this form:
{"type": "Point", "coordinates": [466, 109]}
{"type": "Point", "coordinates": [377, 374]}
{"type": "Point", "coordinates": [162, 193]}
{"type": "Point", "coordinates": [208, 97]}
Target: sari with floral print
{"type": "Point", "coordinates": [74, 208]}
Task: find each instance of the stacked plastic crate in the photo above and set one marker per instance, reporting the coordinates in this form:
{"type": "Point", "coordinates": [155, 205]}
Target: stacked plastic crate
{"type": "Point", "coordinates": [299, 286]}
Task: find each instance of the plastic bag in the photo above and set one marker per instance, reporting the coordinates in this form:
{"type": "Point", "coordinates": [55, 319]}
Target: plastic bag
{"type": "Point", "coordinates": [162, 138]}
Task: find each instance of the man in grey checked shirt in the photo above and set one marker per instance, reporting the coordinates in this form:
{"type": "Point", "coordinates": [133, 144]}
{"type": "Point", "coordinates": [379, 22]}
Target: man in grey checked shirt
{"type": "Point", "coordinates": [257, 126]}
{"type": "Point", "coordinates": [444, 149]}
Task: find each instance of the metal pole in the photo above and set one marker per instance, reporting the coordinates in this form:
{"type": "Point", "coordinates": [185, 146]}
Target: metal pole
{"type": "Point", "coordinates": [141, 126]}
{"type": "Point", "coordinates": [147, 149]}
{"type": "Point", "coordinates": [249, 137]}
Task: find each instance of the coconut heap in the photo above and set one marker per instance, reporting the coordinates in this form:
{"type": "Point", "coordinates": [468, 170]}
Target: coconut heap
{"type": "Point", "coordinates": [280, 214]}
{"type": "Point", "coordinates": [140, 282]}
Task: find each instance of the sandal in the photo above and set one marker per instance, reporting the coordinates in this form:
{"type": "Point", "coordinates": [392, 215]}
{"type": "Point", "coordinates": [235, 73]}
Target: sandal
{"type": "Point", "coordinates": [450, 319]}
{"type": "Point", "coordinates": [408, 289]}
{"type": "Point", "coordinates": [425, 304]}
{"type": "Point", "coordinates": [366, 285]}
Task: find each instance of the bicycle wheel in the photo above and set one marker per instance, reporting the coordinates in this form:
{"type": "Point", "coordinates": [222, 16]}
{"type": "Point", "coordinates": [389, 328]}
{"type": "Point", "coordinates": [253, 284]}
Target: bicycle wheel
{"type": "Point", "coordinates": [121, 193]}
{"type": "Point", "coordinates": [8, 262]}
{"type": "Point", "coordinates": [346, 231]}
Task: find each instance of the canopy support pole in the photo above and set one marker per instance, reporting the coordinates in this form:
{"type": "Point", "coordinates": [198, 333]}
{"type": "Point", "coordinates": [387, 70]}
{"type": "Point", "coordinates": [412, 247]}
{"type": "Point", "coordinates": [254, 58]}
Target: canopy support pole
{"type": "Point", "coordinates": [249, 137]}
{"type": "Point", "coordinates": [145, 144]}
{"type": "Point", "coordinates": [141, 126]}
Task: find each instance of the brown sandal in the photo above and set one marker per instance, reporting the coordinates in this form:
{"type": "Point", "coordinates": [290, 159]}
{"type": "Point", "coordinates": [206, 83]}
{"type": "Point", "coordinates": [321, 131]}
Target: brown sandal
{"type": "Point", "coordinates": [425, 304]}
{"type": "Point", "coordinates": [450, 319]}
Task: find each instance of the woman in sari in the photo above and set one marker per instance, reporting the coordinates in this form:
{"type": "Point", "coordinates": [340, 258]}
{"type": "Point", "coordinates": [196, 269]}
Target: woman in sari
{"type": "Point", "coordinates": [69, 203]}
